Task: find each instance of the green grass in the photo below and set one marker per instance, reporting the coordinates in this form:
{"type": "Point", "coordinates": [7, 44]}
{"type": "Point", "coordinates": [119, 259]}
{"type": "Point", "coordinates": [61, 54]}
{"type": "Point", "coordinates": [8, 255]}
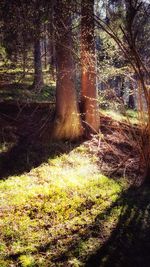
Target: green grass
{"type": "Point", "coordinates": [47, 214]}
{"type": "Point", "coordinates": [64, 210]}
{"type": "Point", "coordinates": [129, 115]}
{"type": "Point", "coordinates": [25, 94]}
{"type": "Point", "coordinates": [17, 87]}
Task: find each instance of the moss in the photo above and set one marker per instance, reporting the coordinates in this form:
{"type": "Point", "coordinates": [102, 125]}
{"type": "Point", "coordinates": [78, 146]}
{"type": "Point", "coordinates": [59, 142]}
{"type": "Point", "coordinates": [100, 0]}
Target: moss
{"type": "Point", "coordinates": [128, 116]}
{"type": "Point", "coordinates": [26, 261]}
{"type": "Point", "coordinates": [52, 208]}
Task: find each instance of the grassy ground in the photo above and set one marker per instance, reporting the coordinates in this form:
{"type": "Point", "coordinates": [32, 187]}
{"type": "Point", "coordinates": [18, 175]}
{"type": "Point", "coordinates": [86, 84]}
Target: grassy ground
{"type": "Point", "coordinates": [66, 213]}
{"type": "Point", "coordinates": [17, 87]}
{"type": "Point", "coordinates": [129, 115]}
{"type": "Point", "coordinates": [69, 205]}
{"type": "Point", "coordinates": [47, 214]}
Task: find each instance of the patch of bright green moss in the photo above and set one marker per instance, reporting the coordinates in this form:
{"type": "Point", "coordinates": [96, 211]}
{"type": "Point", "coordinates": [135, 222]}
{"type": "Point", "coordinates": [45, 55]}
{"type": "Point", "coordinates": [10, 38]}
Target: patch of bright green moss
{"type": "Point", "coordinates": [53, 206]}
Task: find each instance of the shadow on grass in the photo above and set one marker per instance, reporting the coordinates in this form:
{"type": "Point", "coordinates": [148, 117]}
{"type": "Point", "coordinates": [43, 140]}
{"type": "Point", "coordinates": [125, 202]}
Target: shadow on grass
{"type": "Point", "coordinates": [24, 156]}
{"type": "Point", "coordinates": [5, 87]}
{"type": "Point", "coordinates": [28, 128]}
{"type": "Point", "coordinates": [129, 242]}
{"type": "Point", "coordinates": [127, 245]}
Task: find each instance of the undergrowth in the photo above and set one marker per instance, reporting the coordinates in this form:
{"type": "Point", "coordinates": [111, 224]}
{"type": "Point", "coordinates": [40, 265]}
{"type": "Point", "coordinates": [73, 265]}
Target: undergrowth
{"type": "Point", "coordinates": [129, 115]}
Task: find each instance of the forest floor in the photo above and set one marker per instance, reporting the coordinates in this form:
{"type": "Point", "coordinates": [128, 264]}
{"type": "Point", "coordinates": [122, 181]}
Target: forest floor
{"type": "Point", "coordinates": [70, 204]}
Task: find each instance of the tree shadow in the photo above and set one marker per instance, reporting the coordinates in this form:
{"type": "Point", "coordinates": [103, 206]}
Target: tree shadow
{"type": "Point", "coordinates": [4, 87]}
{"type": "Point", "coordinates": [129, 242]}
{"type": "Point", "coordinates": [24, 156]}
{"type": "Point", "coordinates": [27, 128]}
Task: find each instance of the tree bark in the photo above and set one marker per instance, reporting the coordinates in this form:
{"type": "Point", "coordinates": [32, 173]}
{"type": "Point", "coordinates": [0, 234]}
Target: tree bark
{"type": "Point", "coordinates": [67, 123]}
{"type": "Point", "coordinates": [51, 45]}
{"type": "Point", "coordinates": [24, 61]}
{"type": "Point", "coordinates": [88, 68]}
{"type": "Point", "coordinates": [131, 101]}
{"type": "Point", "coordinates": [38, 82]}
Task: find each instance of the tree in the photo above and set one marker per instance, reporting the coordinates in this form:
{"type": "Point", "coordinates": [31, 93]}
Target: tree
{"type": "Point", "coordinates": [88, 65]}
{"type": "Point", "coordinates": [38, 14]}
{"type": "Point", "coordinates": [38, 82]}
{"type": "Point", "coordinates": [10, 28]}
{"type": "Point", "coordinates": [40, 11]}
{"type": "Point", "coordinates": [67, 123]}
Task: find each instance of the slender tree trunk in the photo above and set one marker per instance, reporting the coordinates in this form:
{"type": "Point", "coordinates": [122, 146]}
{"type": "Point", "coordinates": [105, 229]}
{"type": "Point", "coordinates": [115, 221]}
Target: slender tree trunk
{"type": "Point", "coordinates": [67, 124]}
{"type": "Point", "coordinates": [89, 103]}
{"type": "Point", "coordinates": [24, 61]}
{"type": "Point", "coordinates": [147, 175]}
{"type": "Point", "coordinates": [52, 61]}
{"type": "Point", "coordinates": [45, 53]}
{"type": "Point", "coordinates": [45, 47]}
{"type": "Point", "coordinates": [38, 82]}
{"type": "Point", "coordinates": [131, 101]}
{"type": "Point", "coordinates": [122, 90]}
{"type": "Point", "coordinates": [51, 46]}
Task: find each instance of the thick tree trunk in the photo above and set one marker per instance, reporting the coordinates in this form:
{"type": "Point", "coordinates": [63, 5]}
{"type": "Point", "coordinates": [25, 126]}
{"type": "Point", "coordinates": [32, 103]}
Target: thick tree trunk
{"type": "Point", "coordinates": [67, 124]}
{"type": "Point", "coordinates": [88, 63]}
{"type": "Point", "coordinates": [38, 82]}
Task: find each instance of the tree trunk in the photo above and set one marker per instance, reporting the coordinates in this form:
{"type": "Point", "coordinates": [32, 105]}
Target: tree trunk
{"type": "Point", "coordinates": [38, 82]}
{"type": "Point", "coordinates": [147, 176]}
{"type": "Point", "coordinates": [45, 53]}
{"type": "Point", "coordinates": [52, 60]}
{"type": "Point", "coordinates": [24, 61]}
{"type": "Point", "coordinates": [131, 102]}
{"type": "Point", "coordinates": [67, 124]}
{"type": "Point", "coordinates": [89, 103]}
{"type": "Point", "coordinates": [45, 47]}
{"type": "Point", "coordinates": [51, 46]}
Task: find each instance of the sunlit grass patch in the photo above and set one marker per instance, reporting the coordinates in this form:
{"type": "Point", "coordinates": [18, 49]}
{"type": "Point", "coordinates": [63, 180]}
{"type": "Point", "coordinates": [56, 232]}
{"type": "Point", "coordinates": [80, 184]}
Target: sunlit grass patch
{"type": "Point", "coordinates": [49, 211]}
{"type": "Point", "coordinates": [26, 261]}
{"type": "Point", "coordinates": [5, 146]}
{"type": "Point", "coordinates": [128, 115]}
{"type": "Point", "coordinates": [11, 70]}
{"type": "Point", "coordinates": [18, 85]}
